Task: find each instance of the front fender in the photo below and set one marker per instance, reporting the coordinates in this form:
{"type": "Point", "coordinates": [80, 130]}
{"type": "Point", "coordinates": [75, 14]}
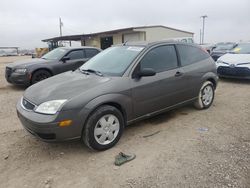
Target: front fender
{"type": "Point", "coordinates": [40, 67]}
{"type": "Point", "coordinates": [122, 100]}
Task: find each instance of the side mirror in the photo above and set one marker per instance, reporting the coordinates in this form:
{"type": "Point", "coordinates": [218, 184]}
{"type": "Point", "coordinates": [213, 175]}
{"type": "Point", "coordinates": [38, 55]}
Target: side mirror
{"type": "Point", "coordinates": [146, 72]}
{"type": "Point", "coordinates": [64, 59]}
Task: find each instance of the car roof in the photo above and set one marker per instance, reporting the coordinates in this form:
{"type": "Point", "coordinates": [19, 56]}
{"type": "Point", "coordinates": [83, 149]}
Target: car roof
{"type": "Point", "coordinates": [78, 48]}
{"type": "Point", "coordinates": [152, 43]}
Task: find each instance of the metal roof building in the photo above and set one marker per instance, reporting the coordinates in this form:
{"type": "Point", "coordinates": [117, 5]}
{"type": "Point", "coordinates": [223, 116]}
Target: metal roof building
{"type": "Point", "coordinates": [108, 38]}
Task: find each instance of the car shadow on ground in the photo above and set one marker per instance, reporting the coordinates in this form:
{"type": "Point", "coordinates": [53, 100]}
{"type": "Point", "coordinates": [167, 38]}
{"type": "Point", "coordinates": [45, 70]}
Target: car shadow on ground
{"type": "Point", "coordinates": [164, 117]}
{"type": "Point", "coordinates": [13, 88]}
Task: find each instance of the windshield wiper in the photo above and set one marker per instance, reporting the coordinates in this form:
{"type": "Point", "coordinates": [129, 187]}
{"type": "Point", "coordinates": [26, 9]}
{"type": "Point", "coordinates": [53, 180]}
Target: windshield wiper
{"type": "Point", "coordinates": [93, 71]}
{"type": "Point", "coordinates": [83, 71]}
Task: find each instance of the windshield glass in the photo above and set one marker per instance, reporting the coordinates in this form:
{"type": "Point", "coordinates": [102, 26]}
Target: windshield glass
{"type": "Point", "coordinates": [113, 61]}
{"type": "Point", "coordinates": [55, 54]}
{"type": "Point", "coordinates": [225, 47]}
{"type": "Point", "coordinates": [243, 48]}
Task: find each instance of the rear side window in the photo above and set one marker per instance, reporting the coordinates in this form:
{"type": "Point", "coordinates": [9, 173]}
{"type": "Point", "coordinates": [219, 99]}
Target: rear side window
{"type": "Point", "coordinates": [76, 54]}
{"type": "Point", "coordinates": [190, 54]}
{"type": "Point", "coordinates": [160, 59]}
{"type": "Point", "coordinates": [91, 52]}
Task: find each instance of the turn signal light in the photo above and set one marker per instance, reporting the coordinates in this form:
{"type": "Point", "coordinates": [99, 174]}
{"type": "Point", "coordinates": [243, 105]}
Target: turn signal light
{"type": "Point", "coordinates": [65, 123]}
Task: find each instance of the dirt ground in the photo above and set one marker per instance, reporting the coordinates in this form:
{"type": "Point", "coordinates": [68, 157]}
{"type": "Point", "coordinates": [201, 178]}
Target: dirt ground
{"type": "Point", "coordinates": [180, 155]}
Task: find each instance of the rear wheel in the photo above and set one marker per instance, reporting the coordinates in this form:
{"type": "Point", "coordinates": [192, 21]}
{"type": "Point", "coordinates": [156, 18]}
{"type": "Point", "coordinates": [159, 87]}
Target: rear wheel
{"type": "Point", "coordinates": [39, 76]}
{"type": "Point", "coordinates": [104, 128]}
{"type": "Point", "coordinates": [206, 96]}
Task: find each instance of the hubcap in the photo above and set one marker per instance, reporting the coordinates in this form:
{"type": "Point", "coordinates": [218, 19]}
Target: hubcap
{"type": "Point", "coordinates": [41, 77]}
{"type": "Point", "coordinates": [207, 95]}
{"type": "Point", "coordinates": [106, 129]}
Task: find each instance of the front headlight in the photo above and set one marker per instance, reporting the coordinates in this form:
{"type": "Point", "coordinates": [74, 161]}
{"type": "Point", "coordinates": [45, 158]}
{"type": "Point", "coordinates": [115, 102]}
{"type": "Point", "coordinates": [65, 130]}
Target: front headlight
{"type": "Point", "coordinates": [20, 70]}
{"type": "Point", "coordinates": [221, 62]}
{"type": "Point", "coordinates": [50, 107]}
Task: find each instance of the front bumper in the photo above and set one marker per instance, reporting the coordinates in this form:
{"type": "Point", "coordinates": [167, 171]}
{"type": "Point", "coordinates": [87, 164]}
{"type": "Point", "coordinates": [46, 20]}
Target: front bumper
{"type": "Point", "coordinates": [17, 78]}
{"type": "Point", "coordinates": [46, 127]}
{"type": "Point", "coordinates": [233, 72]}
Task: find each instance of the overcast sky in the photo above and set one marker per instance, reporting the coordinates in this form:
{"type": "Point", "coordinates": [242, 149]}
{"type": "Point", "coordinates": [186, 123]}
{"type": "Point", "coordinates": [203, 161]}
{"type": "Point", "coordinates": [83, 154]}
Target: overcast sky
{"type": "Point", "coordinates": [25, 23]}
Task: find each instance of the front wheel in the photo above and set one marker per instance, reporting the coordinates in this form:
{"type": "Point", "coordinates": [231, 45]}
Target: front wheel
{"type": "Point", "coordinates": [39, 76]}
{"type": "Point", "coordinates": [103, 128]}
{"type": "Point", "coordinates": [206, 96]}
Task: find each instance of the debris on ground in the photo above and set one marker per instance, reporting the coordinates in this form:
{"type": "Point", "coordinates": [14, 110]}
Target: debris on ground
{"type": "Point", "coordinates": [145, 136]}
{"type": "Point", "coordinates": [6, 157]}
{"type": "Point", "coordinates": [122, 158]}
{"type": "Point", "coordinates": [48, 182]}
{"type": "Point", "coordinates": [202, 129]}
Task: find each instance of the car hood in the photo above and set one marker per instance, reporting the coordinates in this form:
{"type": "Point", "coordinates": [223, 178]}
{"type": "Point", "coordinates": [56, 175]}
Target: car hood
{"type": "Point", "coordinates": [26, 62]}
{"type": "Point", "coordinates": [219, 51]}
{"type": "Point", "coordinates": [63, 86]}
{"type": "Point", "coordinates": [235, 58]}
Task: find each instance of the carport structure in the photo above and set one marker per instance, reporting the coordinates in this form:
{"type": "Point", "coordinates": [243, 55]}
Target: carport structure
{"type": "Point", "coordinates": [108, 38]}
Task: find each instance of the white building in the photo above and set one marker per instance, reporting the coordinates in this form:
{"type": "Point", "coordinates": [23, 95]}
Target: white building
{"type": "Point", "coordinates": [108, 38]}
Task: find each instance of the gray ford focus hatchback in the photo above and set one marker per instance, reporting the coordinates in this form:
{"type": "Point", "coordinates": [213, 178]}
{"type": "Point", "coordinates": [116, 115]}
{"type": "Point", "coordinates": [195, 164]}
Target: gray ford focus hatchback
{"type": "Point", "coordinates": [117, 87]}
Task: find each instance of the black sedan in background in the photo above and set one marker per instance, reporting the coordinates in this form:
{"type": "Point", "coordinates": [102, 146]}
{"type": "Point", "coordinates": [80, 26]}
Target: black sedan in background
{"type": "Point", "coordinates": [221, 49]}
{"type": "Point", "coordinates": [31, 71]}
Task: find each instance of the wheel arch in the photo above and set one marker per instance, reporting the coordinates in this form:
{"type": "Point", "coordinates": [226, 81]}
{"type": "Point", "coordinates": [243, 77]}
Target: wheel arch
{"type": "Point", "coordinates": [122, 102]}
{"type": "Point", "coordinates": [213, 81]}
{"type": "Point", "coordinates": [38, 69]}
{"type": "Point", "coordinates": [109, 103]}
{"type": "Point", "coordinates": [212, 77]}
{"type": "Point", "coordinates": [118, 106]}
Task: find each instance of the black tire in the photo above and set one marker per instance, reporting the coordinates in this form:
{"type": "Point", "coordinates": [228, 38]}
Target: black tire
{"type": "Point", "coordinates": [200, 103]}
{"type": "Point", "coordinates": [88, 135]}
{"type": "Point", "coordinates": [39, 76]}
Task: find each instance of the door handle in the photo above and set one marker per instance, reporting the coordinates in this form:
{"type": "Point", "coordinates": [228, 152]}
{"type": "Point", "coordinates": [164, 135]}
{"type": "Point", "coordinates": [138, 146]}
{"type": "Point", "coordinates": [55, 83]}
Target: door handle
{"type": "Point", "coordinates": [179, 73]}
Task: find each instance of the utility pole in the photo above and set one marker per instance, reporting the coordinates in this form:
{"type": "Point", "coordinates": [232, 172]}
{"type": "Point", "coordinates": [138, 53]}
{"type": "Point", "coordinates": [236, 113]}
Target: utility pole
{"type": "Point", "coordinates": [200, 35]}
{"type": "Point", "coordinates": [203, 27]}
{"type": "Point", "coordinates": [60, 25]}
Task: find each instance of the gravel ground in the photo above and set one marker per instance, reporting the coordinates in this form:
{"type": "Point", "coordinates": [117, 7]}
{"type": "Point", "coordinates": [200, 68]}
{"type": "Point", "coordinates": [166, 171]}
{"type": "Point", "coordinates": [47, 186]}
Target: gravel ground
{"type": "Point", "coordinates": [179, 155]}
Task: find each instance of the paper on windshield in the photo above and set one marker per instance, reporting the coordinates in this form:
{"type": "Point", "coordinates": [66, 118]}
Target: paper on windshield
{"type": "Point", "coordinates": [135, 48]}
{"type": "Point", "coordinates": [237, 49]}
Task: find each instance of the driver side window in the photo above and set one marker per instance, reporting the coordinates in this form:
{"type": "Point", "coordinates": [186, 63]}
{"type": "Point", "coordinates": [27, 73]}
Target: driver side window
{"type": "Point", "coordinates": [160, 59]}
{"type": "Point", "coordinates": [76, 54]}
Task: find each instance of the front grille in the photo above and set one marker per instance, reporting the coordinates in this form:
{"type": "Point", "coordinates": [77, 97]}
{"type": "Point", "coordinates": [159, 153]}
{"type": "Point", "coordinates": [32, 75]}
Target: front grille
{"type": "Point", "coordinates": [234, 71]}
{"type": "Point", "coordinates": [8, 72]}
{"type": "Point", "coordinates": [27, 105]}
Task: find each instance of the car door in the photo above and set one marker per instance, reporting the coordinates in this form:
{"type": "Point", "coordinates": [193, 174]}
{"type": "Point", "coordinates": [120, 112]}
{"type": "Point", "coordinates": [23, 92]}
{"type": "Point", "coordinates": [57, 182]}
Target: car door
{"type": "Point", "coordinates": [157, 92]}
{"type": "Point", "coordinates": [75, 58]}
{"type": "Point", "coordinates": [194, 63]}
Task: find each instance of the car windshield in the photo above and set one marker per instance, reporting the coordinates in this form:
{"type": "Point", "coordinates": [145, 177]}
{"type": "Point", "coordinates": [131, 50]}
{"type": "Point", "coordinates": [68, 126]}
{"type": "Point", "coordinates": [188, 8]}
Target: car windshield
{"type": "Point", "coordinates": [224, 47]}
{"type": "Point", "coordinates": [243, 48]}
{"type": "Point", "coordinates": [113, 61]}
{"type": "Point", "coordinates": [55, 54]}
